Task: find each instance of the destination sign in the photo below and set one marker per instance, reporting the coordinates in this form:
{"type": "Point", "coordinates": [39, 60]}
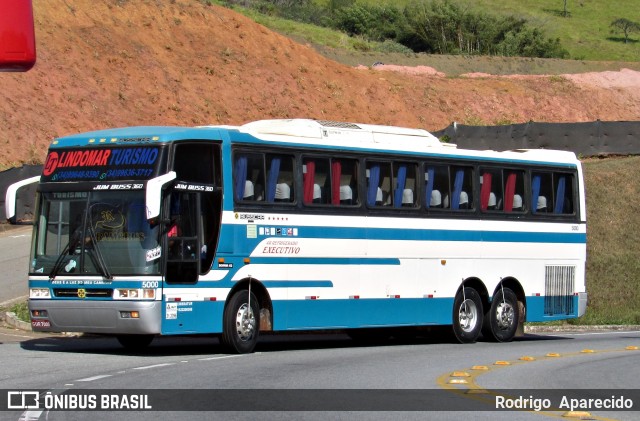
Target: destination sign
{"type": "Point", "coordinates": [102, 164]}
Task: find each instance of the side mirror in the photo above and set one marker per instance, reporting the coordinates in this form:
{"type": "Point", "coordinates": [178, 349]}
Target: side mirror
{"type": "Point", "coordinates": [154, 189]}
{"type": "Point", "coordinates": [11, 194]}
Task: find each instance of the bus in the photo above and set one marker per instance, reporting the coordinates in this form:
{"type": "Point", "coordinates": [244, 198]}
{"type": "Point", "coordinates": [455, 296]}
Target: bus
{"type": "Point", "coordinates": [298, 225]}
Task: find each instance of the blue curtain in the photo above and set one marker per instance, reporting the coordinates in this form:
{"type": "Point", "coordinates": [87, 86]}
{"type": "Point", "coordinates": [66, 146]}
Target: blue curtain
{"type": "Point", "coordinates": [401, 178]}
{"type": "Point", "coordinates": [535, 193]}
{"type": "Point", "coordinates": [429, 188]}
{"type": "Point", "coordinates": [457, 189]}
{"type": "Point", "coordinates": [372, 188]}
{"type": "Point", "coordinates": [560, 196]}
{"type": "Point", "coordinates": [272, 179]}
{"type": "Point", "coordinates": [240, 173]}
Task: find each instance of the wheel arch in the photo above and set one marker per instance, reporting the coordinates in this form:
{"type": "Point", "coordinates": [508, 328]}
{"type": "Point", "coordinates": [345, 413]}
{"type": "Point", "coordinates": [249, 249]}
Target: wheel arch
{"type": "Point", "coordinates": [514, 285]}
{"type": "Point", "coordinates": [480, 288]}
{"type": "Point", "coordinates": [264, 300]}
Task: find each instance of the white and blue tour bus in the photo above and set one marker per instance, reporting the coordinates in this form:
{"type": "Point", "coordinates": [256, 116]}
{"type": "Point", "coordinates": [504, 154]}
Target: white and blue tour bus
{"type": "Point", "coordinates": [298, 225]}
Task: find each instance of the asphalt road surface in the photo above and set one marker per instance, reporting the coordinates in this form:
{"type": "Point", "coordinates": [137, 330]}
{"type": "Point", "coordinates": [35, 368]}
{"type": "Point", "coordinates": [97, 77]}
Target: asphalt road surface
{"type": "Point", "coordinates": [313, 376]}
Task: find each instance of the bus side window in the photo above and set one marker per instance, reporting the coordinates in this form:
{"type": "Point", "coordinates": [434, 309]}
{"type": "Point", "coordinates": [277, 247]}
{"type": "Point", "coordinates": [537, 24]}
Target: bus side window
{"type": "Point", "coordinates": [248, 177]}
{"type": "Point", "coordinates": [461, 179]}
{"type": "Point", "coordinates": [279, 182]}
{"type": "Point", "coordinates": [541, 193]}
{"type": "Point", "coordinates": [514, 198]}
{"type": "Point", "coordinates": [404, 192]}
{"type": "Point", "coordinates": [436, 186]}
{"type": "Point", "coordinates": [315, 179]}
{"type": "Point", "coordinates": [563, 189]}
{"type": "Point", "coordinates": [490, 190]}
{"type": "Point", "coordinates": [378, 183]}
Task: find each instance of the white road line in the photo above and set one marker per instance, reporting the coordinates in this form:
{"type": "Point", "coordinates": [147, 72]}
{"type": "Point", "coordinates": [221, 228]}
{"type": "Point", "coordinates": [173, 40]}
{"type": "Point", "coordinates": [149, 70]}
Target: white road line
{"type": "Point", "coordinates": [616, 332]}
{"type": "Point", "coordinates": [30, 416]}
{"type": "Point", "coordinates": [219, 358]}
{"type": "Point", "coordinates": [152, 366]}
{"type": "Point", "coordinates": [90, 379]}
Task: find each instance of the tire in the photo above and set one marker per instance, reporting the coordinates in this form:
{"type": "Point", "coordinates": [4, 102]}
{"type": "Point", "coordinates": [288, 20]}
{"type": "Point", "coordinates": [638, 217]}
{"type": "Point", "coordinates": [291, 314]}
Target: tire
{"type": "Point", "coordinates": [467, 316]}
{"type": "Point", "coordinates": [501, 321]}
{"type": "Point", "coordinates": [240, 327]}
{"type": "Point", "coordinates": [135, 342]}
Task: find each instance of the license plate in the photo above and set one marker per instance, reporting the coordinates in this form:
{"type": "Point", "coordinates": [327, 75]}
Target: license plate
{"type": "Point", "coordinates": [40, 323]}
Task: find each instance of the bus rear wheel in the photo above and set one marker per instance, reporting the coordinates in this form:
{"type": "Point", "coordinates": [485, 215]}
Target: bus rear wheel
{"type": "Point", "coordinates": [501, 322]}
{"type": "Point", "coordinates": [241, 323]}
{"type": "Point", "coordinates": [467, 315]}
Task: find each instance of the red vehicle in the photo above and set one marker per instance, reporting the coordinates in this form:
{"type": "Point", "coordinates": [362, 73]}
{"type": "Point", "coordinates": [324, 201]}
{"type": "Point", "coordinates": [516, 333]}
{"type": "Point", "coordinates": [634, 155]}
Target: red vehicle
{"type": "Point", "coordinates": [17, 36]}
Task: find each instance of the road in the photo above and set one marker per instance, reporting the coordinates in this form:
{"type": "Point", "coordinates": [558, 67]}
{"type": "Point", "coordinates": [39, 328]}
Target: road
{"type": "Point", "coordinates": [448, 372]}
{"type": "Point", "coordinates": [312, 373]}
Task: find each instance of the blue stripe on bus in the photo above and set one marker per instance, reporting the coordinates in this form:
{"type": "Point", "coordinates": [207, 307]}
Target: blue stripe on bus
{"type": "Point", "coordinates": [298, 284]}
{"type": "Point", "coordinates": [351, 233]}
{"type": "Point", "coordinates": [325, 260]}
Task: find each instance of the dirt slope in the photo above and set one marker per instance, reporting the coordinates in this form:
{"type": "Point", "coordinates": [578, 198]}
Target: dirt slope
{"type": "Point", "coordinates": [109, 63]}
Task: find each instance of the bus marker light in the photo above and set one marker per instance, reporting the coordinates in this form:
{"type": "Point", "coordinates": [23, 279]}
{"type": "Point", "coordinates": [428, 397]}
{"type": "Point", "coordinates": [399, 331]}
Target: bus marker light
{"type": "Point", "coordinates": [480, 367]}
{"type": "Point", "coordinates": [502, 363]}
{"type": "Point", "coordinates": [553, 354]}
{"type": "Point", "coordinates": [537, 294]}
{"type": "Point", "coordinates": [311, 297]}
{"type": "Point", "coordinates": [527, 358]}
{"type": "Point", "coordinates": [247, 260]}
{"type": "Point", "coordinates": [587, 351]}
{"type": "Point", "coordinates": [428, 296]}
{"type": "Point", "coordinates": [354, 297]}
{"type": "Point", "coordinates": [443, 262]}
{"type": "Point", "coordinates": [211, 299]}
{"type": "Point", "coordinates": [221, 260]}
{"type": "Point", "coordinates": [457, 381]}
{"type": "Point", "coordinates": [631, 348]}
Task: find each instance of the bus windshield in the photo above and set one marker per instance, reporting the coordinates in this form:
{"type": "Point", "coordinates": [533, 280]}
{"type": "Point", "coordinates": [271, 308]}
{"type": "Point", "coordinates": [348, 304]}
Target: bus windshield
{"type": "Point", "coordinates": [102, 233]}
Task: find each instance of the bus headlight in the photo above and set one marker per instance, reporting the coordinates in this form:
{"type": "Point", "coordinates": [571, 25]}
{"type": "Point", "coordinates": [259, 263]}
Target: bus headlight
{"type": "Point", "coordinates": [134, 294]}
{"type": "Point", "coordinates": [39, 293]}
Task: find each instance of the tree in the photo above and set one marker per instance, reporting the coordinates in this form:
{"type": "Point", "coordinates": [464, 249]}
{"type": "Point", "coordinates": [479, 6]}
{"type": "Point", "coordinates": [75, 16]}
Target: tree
{"type": "Point", "coordinates": [626, 26]}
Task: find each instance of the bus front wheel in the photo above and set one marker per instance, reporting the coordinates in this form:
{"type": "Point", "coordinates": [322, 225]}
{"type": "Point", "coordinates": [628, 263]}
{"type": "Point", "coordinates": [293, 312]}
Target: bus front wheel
{"type": "Point", "coordinates": [241, 323]}
{"type": "Point", "coordinates": [501, 322]}
{"type": "Point", "coordinates": [467, 315]}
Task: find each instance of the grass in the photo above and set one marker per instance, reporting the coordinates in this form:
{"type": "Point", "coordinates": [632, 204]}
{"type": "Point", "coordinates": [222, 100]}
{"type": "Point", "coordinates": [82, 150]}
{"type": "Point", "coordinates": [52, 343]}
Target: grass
{"type": "Point", "coordinates": [613, 250]}
{"type": "Point", "coordinates": [585, 32]}
{"type": "Point", "coordinates": [21, 310]}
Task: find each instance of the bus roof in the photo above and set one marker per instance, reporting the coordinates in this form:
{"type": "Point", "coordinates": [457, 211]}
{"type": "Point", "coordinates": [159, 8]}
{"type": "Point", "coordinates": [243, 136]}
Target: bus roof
{"type": "Point", "coordinates": [313, 133]}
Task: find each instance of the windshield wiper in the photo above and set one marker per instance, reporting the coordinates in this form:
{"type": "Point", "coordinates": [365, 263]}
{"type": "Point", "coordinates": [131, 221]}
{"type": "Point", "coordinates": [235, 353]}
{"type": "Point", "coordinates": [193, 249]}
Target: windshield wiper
{"type": "Point", "coordinates": [99, 258]}
{"type": "Point", "coordinates": [72, 244]}
{"type": "Point", "coordinates": [59, 262]}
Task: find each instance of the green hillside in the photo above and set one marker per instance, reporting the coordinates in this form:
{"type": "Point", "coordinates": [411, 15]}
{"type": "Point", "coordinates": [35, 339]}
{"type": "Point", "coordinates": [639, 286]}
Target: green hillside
{"type": "Point", "coordinates": [585, 32]}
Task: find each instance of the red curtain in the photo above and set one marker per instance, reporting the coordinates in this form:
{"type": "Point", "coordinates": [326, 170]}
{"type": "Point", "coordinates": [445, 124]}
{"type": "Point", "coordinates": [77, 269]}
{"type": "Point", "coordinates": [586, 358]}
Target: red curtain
{"type": "Point", "coordinates": [509, 191]}
{"type": "Point", "coordinates": [336, 172]}
{"type": "Point", "coordinates": [485, 191]}
{"type": "Point", "coordinates": [308, 179]}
